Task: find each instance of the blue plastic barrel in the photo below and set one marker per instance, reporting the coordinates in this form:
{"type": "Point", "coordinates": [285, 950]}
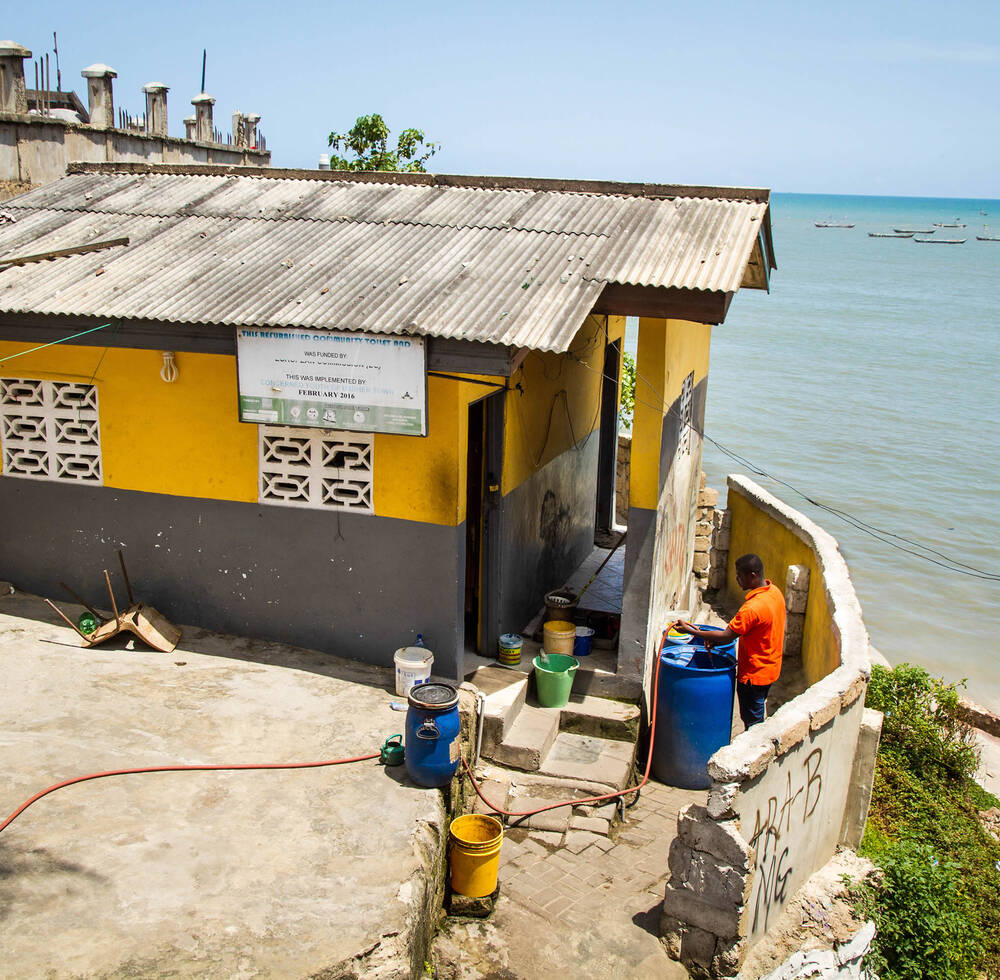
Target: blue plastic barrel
{"type": "Point", "coordinates": [432, 726]}
{"type": "Point", "coordinates": [694, 712]}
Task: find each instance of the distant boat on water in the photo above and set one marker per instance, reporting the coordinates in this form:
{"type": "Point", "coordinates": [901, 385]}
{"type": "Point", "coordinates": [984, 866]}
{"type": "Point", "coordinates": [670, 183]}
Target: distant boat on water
{"type": "Point", "coordinates": [833, 224]}
{"type": "Point", "coordinates": [890, 234]}
{"type": "Point", "coordinates": [941, 224]}
{"type": "Point", "coordinates": [988, 238]}
{"type": "Point", "coordinates": [914, 231]}
{"type": "Point", "coordinates": [941, 241]}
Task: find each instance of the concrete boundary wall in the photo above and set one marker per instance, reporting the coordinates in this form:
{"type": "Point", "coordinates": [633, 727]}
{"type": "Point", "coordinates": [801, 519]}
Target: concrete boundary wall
{"type": "Point", "coordinates": [37, 149]}
{"type": "Point", "coordinates": [776, 808]}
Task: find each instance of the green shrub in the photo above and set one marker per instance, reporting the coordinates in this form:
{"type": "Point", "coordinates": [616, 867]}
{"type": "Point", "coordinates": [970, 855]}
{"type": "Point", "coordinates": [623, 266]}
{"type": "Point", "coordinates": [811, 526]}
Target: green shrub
{"type": "Point", "coordinates": [921, 721]}
{"type": "Point", "coordinates": [938, 907]}
{"type": "Point", "coordinates": [923, 925]}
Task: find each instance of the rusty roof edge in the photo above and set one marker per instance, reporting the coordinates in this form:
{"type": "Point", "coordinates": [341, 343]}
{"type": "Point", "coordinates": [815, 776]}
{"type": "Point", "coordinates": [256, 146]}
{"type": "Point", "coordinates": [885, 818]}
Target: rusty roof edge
{"type": "Point", "coordinates": [606, 187]}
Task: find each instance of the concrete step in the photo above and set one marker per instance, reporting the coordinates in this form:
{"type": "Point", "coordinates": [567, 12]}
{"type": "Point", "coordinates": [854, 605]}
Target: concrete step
{"type": "Point", "coordinates": [598, 760]}
{"type": "Point", "coordinates": [521, 791]}
{"type": "Point", "coordinates": [589, 715]}
{"type": "Point", "coordinates": [596, 675]}
{"type": "Point", "coordinates": [528, 740]}
{"type": "Point", "coordinates": [505, 692]}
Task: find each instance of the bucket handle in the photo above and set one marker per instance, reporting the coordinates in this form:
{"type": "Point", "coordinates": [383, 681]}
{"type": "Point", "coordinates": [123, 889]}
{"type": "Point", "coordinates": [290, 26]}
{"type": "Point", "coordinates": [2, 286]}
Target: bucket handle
{"type": "Point", "coordinates": [428, 730]}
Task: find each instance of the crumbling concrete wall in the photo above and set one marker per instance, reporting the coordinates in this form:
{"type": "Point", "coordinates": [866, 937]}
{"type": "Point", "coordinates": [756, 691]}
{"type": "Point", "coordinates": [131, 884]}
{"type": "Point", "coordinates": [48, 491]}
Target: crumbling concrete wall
{"type": "Point", "coordinates": [36, 149]}
{"type": "Point", "coordinates": [781, 797]}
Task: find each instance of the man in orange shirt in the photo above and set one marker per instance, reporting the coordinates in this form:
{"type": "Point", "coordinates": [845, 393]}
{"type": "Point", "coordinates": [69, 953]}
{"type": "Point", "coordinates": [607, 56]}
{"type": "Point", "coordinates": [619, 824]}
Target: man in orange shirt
{"type": "Point", "coordinates": [760, 626]}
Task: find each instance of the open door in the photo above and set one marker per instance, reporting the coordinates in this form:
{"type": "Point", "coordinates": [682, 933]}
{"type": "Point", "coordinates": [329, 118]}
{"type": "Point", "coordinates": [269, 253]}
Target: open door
{"type": "Point", "coordinates": [607, 454]}
{"type": "Point", "coordinates": [483, 524]}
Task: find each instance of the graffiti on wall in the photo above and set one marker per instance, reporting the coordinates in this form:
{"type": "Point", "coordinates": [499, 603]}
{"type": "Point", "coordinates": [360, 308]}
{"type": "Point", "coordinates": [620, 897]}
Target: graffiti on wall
{"type": "Point", "coordinates": [777, 826]}
{"type": "Point", "coordinates": [674, 548]}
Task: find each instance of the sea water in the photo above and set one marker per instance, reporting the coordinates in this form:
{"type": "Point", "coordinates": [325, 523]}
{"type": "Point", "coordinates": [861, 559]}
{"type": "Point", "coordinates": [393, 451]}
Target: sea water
{"type": "Point", "coordinates": [868, 379]}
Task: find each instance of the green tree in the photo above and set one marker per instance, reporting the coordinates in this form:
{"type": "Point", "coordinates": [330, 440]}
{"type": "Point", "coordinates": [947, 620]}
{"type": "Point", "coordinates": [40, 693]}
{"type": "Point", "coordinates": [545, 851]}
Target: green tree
{"type": "Point", "coordinates": [627, 409]}
{"type": "Point", "coordinates": [368, 141]}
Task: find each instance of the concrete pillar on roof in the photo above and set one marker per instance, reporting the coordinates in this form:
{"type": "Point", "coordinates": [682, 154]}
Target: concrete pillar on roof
{"type": "Point", "coordinates": [156, 108]}
{"type": "Point", "coordinates": [13, 96]}
{"type": "Point", "coordinates": [190, 122]}
{"type": "Point", "coordinates": [252, 120]}
{"type": "Point", "coordinates": [239, 129]}
{"type": "Point", "coordinates": [204, 127]}
{"type": "Point", "coordinates": [100, 95]}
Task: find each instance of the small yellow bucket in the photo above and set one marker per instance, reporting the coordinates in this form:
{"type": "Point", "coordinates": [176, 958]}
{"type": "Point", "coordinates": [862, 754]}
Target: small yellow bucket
{"type": "Point", "coordinates": [475, 854]}
{"type": "Point", "coordinates": [558, 636]}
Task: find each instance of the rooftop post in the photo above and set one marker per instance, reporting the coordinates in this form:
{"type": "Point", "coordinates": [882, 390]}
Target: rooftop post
{"type": "Point", "coordinates": [156, 108]}
{"type": "Point", "coordinates": [100, 95]}
{"type": "Point", "coordinates": [13, 96]}
{"type": "Point", "coordinates": [204, 127]}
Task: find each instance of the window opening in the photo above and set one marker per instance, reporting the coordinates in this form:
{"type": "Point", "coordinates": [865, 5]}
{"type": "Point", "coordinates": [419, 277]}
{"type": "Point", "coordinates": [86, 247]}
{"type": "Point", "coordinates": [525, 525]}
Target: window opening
{"type": "Point", "coordinates": [49, 430]}
{"type": "Point", "coordinates": [317, 468]}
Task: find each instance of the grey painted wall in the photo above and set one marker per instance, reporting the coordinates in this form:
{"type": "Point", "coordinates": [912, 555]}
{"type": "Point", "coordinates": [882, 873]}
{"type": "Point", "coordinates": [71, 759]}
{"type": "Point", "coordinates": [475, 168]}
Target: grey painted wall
{"type": "Point", "coordinates": [548, 524]}
{"type": "Point", "coordinates": [351, 584]}
{"type": "Point", "coordinates": [642, 547]}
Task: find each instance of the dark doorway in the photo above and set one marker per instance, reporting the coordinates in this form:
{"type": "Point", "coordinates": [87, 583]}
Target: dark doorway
{"type": "Point", "coordinates": [473, 526]}
{"type": "Point", "coordinates": [483, 523]}
{"type": "Point", "coordinates": [607, 456]}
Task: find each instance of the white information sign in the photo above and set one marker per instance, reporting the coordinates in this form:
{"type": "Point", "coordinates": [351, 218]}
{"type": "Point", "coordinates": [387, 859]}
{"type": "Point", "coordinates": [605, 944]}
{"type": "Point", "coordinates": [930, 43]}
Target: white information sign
{"type": "Point", "coordinates": [334, 380]}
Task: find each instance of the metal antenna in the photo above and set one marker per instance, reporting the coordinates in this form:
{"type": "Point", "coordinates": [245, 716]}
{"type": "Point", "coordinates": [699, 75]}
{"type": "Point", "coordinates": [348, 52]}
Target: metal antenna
{"type": "Point", "coordinates": [55, 45]}
{"type": "Point", "coordinates": [204, 55]}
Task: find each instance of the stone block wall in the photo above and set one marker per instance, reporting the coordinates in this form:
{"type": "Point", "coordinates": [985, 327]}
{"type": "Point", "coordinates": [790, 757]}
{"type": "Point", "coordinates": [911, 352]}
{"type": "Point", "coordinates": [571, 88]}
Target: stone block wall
{"type": "Point", "coordinates": [783, 796]}
{"type": "Point", "coordinates": [711, 543]}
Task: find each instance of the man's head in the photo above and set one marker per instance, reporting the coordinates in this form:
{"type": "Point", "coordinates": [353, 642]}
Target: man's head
{"type": "Point", "coordinates": [749, 572]}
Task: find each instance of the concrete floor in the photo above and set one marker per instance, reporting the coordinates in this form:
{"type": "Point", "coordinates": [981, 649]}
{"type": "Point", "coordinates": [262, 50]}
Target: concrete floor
{"type": "Point", "coordinates": [203, 874]}
{"type": "Point", "coordinates": [575, 905]}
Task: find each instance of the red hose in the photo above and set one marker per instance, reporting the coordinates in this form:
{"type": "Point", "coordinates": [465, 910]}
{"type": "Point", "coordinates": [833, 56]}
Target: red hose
{"type": "Point", "coordinates": [358, 758]}
{"type": "Point", "coordinates": [589, 799]}
{"type": "Point", "coordinates": [128, 772]}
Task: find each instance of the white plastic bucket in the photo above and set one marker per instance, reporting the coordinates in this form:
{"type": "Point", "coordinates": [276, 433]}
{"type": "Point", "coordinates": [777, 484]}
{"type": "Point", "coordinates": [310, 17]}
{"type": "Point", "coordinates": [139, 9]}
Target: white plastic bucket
{"type": "Point", "coordinates": [413, 667]}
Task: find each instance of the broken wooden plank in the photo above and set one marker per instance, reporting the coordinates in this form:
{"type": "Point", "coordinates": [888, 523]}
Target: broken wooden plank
{"type": "Point", "coordinates": [59, 253]}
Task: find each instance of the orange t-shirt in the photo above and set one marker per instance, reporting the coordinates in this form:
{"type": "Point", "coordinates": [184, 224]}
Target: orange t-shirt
{"type": "Point", "coordinates": [760, 625]}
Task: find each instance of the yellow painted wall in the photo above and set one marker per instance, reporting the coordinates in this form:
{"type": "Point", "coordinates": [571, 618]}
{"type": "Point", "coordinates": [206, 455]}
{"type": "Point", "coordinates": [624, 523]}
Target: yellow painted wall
{"type": "Point", "coordinates": [184, 438]}
{"type": "Point", "coordinates": [668, 351]}
{"type": "Point", "coordinates": [560, 404]}
{"type": "Point", "coordinates": [424, 479]}
{"type": "Point", "coordinates": [616, 328]}
{"type": "Point", "coordinates": [755, 532]}
{"type": "Point", "coordinates": [181, 438]}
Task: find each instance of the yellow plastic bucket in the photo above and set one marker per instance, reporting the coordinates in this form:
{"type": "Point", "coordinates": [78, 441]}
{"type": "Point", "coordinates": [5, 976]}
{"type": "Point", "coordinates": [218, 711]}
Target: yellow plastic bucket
{"type": "Point", "coordinates": [558, 636]}
{"type": "Point", "coordinates": [475, 854]}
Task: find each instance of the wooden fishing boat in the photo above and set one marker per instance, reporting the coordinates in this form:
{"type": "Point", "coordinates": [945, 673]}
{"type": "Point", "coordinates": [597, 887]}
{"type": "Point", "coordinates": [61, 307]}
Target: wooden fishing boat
{"type": "Point", "coordinates": [941, 224]}
{"type": "Point", "coordinates": [832, 224]}
{"type": "Point", "coordinates": [988, 238]}
{"type": "Point", "coordinates": [914, 231]}
{"type": "Point", "coordinates": [890, 234]}
{"type": "Point", "coordinates": [941, 241]}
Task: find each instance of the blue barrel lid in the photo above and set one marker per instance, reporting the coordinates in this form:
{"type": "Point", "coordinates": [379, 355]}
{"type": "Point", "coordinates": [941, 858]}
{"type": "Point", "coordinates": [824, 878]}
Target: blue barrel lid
{"type": "Point", "coordinates": [433, 697]}
{"type": "Point", "coordinates": [679, 654]}
{"type": "Point", "coordinates": [511, 640]}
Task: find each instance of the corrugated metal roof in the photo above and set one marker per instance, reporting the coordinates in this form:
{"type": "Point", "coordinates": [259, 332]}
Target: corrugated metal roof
{"type": "Point", "coordinates": [515, 265]}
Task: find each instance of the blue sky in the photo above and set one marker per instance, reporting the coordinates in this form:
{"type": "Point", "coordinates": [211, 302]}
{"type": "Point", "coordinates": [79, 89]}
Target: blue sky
{"type": "Point", "coordinates": [851, 97]}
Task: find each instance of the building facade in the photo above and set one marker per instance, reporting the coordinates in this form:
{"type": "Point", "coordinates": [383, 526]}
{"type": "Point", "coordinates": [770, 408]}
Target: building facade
{"type": "Point", "coordinates": [129, 436]}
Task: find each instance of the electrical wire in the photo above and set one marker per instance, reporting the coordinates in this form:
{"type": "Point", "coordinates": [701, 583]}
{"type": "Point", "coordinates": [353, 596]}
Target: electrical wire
{"type": "Point", "coordinates": [61, 340]}
{"type": "Point", "coordinates": [880, 534]}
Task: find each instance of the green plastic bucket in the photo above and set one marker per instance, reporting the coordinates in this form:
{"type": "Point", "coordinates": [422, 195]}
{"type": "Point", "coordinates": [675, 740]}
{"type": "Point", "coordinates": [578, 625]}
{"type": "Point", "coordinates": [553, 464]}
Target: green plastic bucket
{"type": "Point", "coordinates": [554, 679]}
